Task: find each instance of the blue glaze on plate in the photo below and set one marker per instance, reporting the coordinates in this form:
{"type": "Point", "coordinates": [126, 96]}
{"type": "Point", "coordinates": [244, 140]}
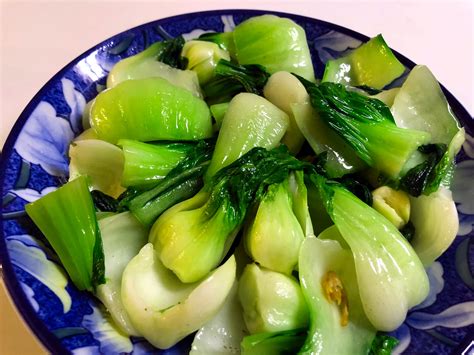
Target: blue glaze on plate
{"type": "Point", "coordinates": [34, 162]}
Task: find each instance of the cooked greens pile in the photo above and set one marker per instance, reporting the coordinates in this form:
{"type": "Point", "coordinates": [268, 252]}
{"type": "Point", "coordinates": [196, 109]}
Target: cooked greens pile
{"type": "Point", "coordinates": [222, 188]}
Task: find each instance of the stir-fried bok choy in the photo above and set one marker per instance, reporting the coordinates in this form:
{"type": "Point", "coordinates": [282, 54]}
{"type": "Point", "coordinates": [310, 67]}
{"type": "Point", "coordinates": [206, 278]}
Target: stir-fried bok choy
{"type": "Point", "coordinates": [223, 189]}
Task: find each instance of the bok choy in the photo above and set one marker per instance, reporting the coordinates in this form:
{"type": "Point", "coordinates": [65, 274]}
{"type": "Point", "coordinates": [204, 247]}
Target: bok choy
{"type": "Point", "coordinates": [338, 324]}
{"type": "Point", "coordinates": [200, 230]}
{"type": "Point", "coordinates": [158, 60]}
{"type": "Point", "coordinates": [163, 309]}
{"type": "Point", "coordinates": [385, 262]}
{"type": "Point", "coordinates": [372, 64]}
{"type": "Point", "coordinates": [274, 42]}
{"type": "Point", "coordinates": [367, 126]}
{"type": "Point", "coordinates": [146, 164]}
{"type": "Point", "coordinates": [67, 219]}
{"type": "Point", "coordinates": [271, 301]}
{"type": "Point", "coordinates": [149, 109]}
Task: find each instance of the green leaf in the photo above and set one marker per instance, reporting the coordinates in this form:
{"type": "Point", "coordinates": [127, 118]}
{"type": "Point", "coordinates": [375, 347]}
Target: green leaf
{"type": "Point", "coordinates": [367, 125]}
{"type": "Point", "coordinates": [171, 53]}
{"type": "Point", "coordinates": [182, 182]}
{"type": "Point", "coordinates": [67, 218]}
{"type": "Point", "coordinates": [200, 230]}
{"type": "Point", "coordinates": [230, 79]}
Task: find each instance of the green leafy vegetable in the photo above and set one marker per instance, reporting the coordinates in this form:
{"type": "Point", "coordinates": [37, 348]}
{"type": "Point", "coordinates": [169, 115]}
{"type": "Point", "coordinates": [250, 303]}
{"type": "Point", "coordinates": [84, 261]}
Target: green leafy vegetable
{"type": "Point", "coordinates": [230, 79]}
{"type": "Point", "coordinates": [408, 231]}
{"type": "Point", "coordinates": [436, 223]}
{"type": "Point", "coordinates": [203, 58]}
{"type": "Point", "coordinates": [271, 301]}
{"type": "Point", "coordinates": [372, 64]}
{"type": "Point", "coordinates": [274, 42]}
{"type": "Point", "coordinates": [218, 111]}
{"type": "Point", "coordinates": [67, 219]}
{"type": "Point", "coordinates": [163, 309]}
{"type": "Point", "coordinates": [170, 53]}
{"type": "Point", "coordinates": [146, 164]}
{"type": "Point", "coordinates": [224, 40]}
{"type": "Point", "coordinates": [101, 161]}
{"type": "Point", "coordinates": [122, 237]}
{"type": "Point", "coordinates": [367, 126]}
{"type": "Point", "coordinates": [148, 110]}
{"type": "Point", "coordinates": [338, 324]}
{"type": "Point", "coordinates": [223, 333]}
{"type": "Point", "coordinates": [421, 105]}
{"type": "Point", "coordinates": [150, 63]}
{"type": "Point", "coordinates": [284, 90]}
{"type": "Point", "coordinates": [274, 343]}
{"type": "Point", "coordinates": [181, 183]}
{"type": "Point", "coordinates": [421, 177]}
{"type": "Point", "coordinates": [376, 241]}
{"type": "Point", "coordinates": [199, 231]}
{"type": "Point", "coordinates": [339, 158]}
{"type": "Point", "coordinates": [273, 237]}
{"type": "Point", "coordinates": [250, 121]}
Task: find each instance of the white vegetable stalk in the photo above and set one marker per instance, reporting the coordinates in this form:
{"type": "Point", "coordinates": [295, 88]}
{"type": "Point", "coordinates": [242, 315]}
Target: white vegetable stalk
{"type": "Point", "coordinates": [284, 89]}
{"type": "Point", "coordinates": [165, 310]}
{"type": "Point", "coordinates": [436, 222]}
{"type": "Point", "coordinates": [102, 161]}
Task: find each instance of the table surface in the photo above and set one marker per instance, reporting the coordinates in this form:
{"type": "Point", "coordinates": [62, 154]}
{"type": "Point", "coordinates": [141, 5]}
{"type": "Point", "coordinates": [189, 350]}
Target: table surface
{"type": "Point", "coordinates": [39, 37]}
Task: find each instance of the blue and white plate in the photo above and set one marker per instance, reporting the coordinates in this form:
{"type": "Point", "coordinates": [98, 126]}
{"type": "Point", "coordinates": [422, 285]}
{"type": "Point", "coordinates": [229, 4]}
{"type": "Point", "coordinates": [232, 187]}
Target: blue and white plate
{"type": "Point", "coordinates": [34, 163]}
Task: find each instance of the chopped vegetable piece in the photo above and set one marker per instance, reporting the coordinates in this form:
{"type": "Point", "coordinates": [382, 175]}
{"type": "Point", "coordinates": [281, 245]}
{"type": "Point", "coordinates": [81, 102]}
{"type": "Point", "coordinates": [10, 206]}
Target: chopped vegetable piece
{"type": "Point", "coordinates": [250, 121]}
{"type": "Point", "coordinates": [181, 183]}
{"type": "Point", "coordinates": [163, 309]}
{"type": "Point", "coordinates": [67, 219]}
{"type": "Point", "coordinates": [340, 159]}
{"type": "Point", "coordinates": [421, 105]}
{"type": "Point", "coordinates": [199, 231]}
{"type": "Point", "coordinates": [436, 223]}
{"type": "Point", "coordinates": [367, 126]}
{"type": "Point", "coordinates": [218, 111]}
{"type": "Point", "coordinates": [334, 328]}
{"type": "Point", "coordinates": [392, 204]}
{"type": "Point", "coordinates": [372, 64]}
{"type": "Point", "coordinates": [103, 202]}
{"type": "Point", "coordinates": [170, 52]}
{"type": "Point", "coordinates": [230, 79]}
{"type": "Point", "coordinates": [383, 345]}
{"type": "Point", "coordinates": [283, 90]}
{"type": "Point", "coordinates": [101, 161]}
{"type": "Point", "coordinates": [149, 109]}
{"type": "Point", "coordinates": [203, 58]}
{"type": "Point", "coordinates": [147, 64]}
{"type": "Point", "coordinates": [224, 40]}
{"type": "Point", "coordinates": [387, 96]}
{"type": "Point", "coordinates": [271, 301]}
{"type": "Point", "coordinates": [122, 238]}
{"type": "Point", "coordinates": [223, 333]}
{"type": "Point", "coordinates": [385, 262]}
{"type": "Point", "coordinates": [146, 164]}
{"type": "Point", "coordinates": [273, 237]}
{"type": "Point", "coordinates": [274, 42]}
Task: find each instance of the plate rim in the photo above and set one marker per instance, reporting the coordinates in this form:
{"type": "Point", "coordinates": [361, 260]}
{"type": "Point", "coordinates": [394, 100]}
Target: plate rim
{"type": "Point", "coordinates": [12, 284]}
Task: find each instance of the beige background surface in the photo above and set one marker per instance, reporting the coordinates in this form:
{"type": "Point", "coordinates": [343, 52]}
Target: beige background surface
{"type": "Point", "coordinates": [39, 37]}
